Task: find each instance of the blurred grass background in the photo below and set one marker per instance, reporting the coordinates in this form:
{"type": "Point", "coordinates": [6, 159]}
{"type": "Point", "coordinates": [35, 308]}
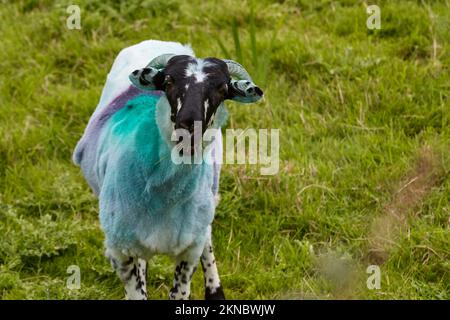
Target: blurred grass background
{"type": "Point", "coordinates": [365, 146]}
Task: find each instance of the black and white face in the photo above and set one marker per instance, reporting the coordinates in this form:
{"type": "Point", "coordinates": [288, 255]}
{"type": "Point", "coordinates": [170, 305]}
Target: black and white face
{"type": "Point", "coordinates": [195, 88]}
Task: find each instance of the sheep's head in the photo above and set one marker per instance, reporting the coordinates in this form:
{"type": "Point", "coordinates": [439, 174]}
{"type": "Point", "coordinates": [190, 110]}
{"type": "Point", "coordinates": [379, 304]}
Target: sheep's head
{"type": "Point", "coordinates": [195, 88]}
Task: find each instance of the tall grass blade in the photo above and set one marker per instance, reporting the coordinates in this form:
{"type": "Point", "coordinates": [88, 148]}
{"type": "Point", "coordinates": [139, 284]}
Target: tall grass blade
{"type": "Point", "coordinates": [225, 52]}
{"type": "Point", "coordinates": [237, 43]}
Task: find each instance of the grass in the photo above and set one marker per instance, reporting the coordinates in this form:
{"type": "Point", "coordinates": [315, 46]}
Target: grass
{"type": "Point", "coordinates": [364, 146]}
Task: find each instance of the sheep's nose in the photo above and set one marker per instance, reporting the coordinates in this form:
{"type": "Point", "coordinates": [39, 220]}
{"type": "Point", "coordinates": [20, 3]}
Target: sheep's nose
{"type": "Point", "coordinates": [187, 125]}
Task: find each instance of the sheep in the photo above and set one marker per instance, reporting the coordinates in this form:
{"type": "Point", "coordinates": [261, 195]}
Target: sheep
{"type": "Point", "coordinates": [148, 204]}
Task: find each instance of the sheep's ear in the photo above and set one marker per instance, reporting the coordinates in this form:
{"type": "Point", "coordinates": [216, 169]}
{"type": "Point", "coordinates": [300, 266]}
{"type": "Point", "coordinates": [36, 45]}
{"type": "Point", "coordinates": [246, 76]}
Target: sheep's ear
{"type": "Point", "coordinates": [244, 91]}
{"type": "Point", "coordinates": [148, 78]}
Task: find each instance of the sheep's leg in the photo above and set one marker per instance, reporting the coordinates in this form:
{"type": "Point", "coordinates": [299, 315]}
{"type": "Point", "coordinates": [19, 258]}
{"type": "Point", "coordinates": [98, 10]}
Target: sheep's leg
{"type": "Point", "coordinates": [213, 288]}
{"type": "Point", "coordinates": [185, 269]}
{"type": "Point", "coordinates": [132, 271]}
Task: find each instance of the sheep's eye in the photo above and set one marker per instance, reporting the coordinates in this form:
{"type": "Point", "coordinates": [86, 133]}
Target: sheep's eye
{"type": "Point", "coordinates": [223, 89]}
{"type": "Point", "coordinates": [168, 81]}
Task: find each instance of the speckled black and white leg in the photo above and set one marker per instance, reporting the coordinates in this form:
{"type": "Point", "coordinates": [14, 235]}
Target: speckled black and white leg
{"type": "Point", "coordinates": [184, 271]}
{"type": "Point", "coordinates": [213, 288]}
{"type": "Point", "coordinates": [132, 271]}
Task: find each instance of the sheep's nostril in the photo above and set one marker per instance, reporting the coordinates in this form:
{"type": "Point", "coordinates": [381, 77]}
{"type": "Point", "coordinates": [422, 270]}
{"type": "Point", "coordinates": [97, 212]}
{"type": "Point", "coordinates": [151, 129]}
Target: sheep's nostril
{"type": "Point", "coordinates": [135, 72]}
{"type": "Point", "coordinates": [183, 125]}
{"type": "Point", "coordinates": [187, 126]}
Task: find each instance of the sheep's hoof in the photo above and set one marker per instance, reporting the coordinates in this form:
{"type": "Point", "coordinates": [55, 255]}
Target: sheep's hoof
{"type": "Point", "coordinates": [217, 295]}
